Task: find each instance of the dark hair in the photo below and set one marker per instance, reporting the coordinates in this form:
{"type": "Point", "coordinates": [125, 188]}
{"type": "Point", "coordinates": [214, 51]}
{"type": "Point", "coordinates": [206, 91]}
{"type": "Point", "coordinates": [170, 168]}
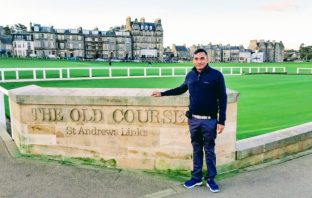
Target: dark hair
{"type": "Point", "coordinates": [200, 50]}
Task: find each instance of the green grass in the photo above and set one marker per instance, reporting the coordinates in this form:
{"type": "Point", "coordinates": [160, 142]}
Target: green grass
{"type": "Point", "coordinates": [267, 102]}
{"type": "Point", "coordinates": [40, 63]}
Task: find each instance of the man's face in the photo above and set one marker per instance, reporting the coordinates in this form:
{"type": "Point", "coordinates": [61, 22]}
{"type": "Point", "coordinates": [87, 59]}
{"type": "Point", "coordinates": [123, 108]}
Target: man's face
{"type": "Point", "coordinates": [200, 61]}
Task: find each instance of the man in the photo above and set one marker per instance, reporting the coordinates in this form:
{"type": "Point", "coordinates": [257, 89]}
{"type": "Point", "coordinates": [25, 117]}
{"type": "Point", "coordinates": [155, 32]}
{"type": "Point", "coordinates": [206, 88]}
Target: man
{"type": "Point", "coordinates": [207, 114]}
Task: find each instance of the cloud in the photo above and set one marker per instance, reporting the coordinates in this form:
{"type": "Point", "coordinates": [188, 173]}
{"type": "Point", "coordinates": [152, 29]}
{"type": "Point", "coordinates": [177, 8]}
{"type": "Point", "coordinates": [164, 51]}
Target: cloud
{"type": "Point", "coordinates": [280, 6]}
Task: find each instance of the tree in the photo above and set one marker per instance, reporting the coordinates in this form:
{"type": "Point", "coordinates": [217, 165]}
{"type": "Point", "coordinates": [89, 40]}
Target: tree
{"type": "Point", "coordinates": [305, 52]}
{"type": "Point", "coordinates": [13, 29]}
{"type": "Point", "coordinates": [8, 30]}
{"type": "Point", "coordinates": [20, 27]}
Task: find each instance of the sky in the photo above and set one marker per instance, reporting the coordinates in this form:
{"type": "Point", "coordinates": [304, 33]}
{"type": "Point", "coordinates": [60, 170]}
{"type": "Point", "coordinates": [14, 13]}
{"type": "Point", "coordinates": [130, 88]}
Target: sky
{"type": "Point", "coordinates": [188, 22]}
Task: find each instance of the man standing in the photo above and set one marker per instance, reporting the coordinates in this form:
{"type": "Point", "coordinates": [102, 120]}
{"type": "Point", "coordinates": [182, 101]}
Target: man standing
{"type": "Point", "coordinates": [207, 114]}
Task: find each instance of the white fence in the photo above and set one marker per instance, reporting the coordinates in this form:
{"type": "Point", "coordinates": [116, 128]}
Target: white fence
{"type": "Point", "coordinates": [3, 92]}
{"type": "Point", "coordinates": [80, 73]}
{"type": "Point", "coordinates": [300, 69]}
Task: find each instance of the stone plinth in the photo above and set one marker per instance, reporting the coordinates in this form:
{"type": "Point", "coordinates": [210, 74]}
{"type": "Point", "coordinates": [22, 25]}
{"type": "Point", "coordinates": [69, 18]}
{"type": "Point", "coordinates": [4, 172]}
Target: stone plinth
{"type": "Point", "coordinates": [125, 126]}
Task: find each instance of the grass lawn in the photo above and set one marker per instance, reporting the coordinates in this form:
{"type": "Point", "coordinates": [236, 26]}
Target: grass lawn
{"type": "Point", "coordinates": [267, 102]}
{"type": "Point", "coordinates": [39, 63]}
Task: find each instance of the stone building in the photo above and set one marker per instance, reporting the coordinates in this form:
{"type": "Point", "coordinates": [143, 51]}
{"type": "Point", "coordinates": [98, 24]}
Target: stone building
{"type": "Point", "coordinates": [6, 46]}
{"type": "Point", "coordinates": [135, 40]}
{"type": "Point", "coordinates": [23, 44]}
{"type": "Point", "coordinates": [272, 51]}
{"type": "Point", "coordinates": [70, 43]}
{"type": "Point", "coordinates": [180, 52]}
{"type": "Point", "coordinates": [147, 39]}
{"type": "Point", "coordinates": [244, 56]}
{"type": "Point", "coordinates": [44, 40]}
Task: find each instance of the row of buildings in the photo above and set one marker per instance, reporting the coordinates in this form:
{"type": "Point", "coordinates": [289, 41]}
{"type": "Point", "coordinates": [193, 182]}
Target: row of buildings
{"type": "Point", "coordinates": [136, 40]}
{"type": "Point", "coordinates": [258, 51]}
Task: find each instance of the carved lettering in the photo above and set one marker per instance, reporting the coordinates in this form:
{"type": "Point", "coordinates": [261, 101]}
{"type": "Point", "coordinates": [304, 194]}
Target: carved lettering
{"type": "Point", "coordinates": [47, 114]}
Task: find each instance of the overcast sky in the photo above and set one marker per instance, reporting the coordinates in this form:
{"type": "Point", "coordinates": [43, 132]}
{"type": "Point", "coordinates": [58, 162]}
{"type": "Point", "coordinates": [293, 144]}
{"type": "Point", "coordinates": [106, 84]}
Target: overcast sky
{"type": "Point", "coordinates": [187, 22]}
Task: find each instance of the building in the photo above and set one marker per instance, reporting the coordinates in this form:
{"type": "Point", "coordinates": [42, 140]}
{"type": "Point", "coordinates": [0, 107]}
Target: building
{"type": "Point", "coordinates": [272, 51]}
{"type": "Point", "coordinates": [147, 39]}
{"type": "Point", "coordinates": [23, 45]}
{"type": "Point", "coordinates": [180, 52]}
{"type": "Point", "coordinates": [135, 40]}
{"type": "Point", "coordinates": [6, 47]}
{"type": "Point", "coordinates": [44, 40]}
{"type": "Point", "coordinates": [168, 55]}
{"type": "Point", "coordinates": [244, 56]}
{"type": "Point", "coordinates": [257, 57]}
{"type": "Point", "coordinates": [69, 43]}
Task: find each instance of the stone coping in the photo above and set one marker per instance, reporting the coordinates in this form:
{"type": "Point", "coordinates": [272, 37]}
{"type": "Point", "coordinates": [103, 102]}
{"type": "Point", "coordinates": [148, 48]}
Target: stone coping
{"type": "Point", "coordinates": [267, 142]}
{"type": "Point", "coordinates": [33, 94]}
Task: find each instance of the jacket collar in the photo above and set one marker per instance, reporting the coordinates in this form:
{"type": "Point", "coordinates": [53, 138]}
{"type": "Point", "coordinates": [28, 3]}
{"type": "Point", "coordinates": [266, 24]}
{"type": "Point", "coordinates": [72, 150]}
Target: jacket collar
{"type": "Point", "coordinates": [205, 70]}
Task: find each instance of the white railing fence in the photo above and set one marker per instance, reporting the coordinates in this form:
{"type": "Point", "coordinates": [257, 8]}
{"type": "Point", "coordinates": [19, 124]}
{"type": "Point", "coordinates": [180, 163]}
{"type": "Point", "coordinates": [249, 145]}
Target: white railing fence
{"type": "Point", "coordinates": [79, 73]}
{"type": "Point", "coordinates": [3, 92]}
{"type": "Point", "coordinates": [301, 70]}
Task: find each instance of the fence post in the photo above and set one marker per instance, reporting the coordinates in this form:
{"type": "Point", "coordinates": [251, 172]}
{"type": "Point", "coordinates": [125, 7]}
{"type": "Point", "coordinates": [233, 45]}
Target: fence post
{"type": "Point", "coordinates": [17, 74]}
{"type": "Point", "coordinates": [90, 72]}
{"type": "Point", "coordinates": [186, 71]}
{"type": "Point", "coordinates": [273, 69]}
{"type": "Point", "coordinates": [2, 76]}
{"type": "Point", "coordinates": [44, 74]}
{"type": "Point", "coordinates": [2, 111]}
{"type": "Point", "coordinates": [128, 71]}
{"type": "Point", "coordinates": [61, 74]}
{"type": "Point", "coordinates": [172, 73]}
{"type": "Point", "coordinates": [68, 73]}
{"type": "Point", "coordinates": [144, 71]}
{"type": "Point", "coordinates": [266, 70]}
{"type": "Point", "coordinates": [110, 72]}
{"type": "Point", "coordinates": [35, 74]}
{"type": "Point", "coordinates": [159, 71]}
{"type": "Point", "coordinates": [241, 71]}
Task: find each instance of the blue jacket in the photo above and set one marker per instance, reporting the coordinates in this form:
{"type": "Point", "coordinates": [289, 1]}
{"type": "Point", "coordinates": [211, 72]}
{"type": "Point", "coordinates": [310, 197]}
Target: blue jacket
{"type": "Point", "coordinates": [207, 93]}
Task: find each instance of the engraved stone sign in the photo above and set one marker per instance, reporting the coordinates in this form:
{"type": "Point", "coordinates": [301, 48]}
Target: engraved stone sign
{"type": "Point", "coordinates": [125, 125]}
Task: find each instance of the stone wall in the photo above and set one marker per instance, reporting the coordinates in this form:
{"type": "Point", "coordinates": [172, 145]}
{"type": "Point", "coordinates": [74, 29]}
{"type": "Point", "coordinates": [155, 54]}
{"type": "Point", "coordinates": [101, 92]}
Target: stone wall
{"type": "Point", "coordinates": [127, 127]}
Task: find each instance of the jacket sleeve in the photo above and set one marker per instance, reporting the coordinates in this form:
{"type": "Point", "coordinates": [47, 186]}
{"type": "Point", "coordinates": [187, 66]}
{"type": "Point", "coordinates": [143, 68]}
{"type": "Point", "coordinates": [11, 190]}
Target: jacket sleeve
{"type": "Point", "coordinates": [176, 91]}
{"type": "Point", "coordinates": [222, 100]}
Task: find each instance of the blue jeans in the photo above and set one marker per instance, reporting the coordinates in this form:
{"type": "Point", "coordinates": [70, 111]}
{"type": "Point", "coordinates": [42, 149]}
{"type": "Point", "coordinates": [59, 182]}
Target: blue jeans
{"type": "Point", "coordinates": [203, 135]}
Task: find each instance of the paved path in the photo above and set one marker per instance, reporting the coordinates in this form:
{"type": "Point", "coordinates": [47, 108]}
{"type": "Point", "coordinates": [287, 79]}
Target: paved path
{"type": "Point", "coordinates": [33, 178]}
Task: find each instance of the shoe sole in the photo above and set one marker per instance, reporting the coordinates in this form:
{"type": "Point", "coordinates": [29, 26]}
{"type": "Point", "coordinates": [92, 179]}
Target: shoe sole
{"type": "Point", "coordinates": [197, 184]}
{"type": "Point", "coordinates": [214, 191]}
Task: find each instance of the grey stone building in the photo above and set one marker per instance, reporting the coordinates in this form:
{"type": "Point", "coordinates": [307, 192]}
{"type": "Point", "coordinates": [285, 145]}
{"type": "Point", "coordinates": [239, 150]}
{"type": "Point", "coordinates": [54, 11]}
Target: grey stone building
{"type": "Point", "coordinates": [180, 52]}
{"type": "Point", "coordinates": [70, 43]}
{"type": "Point", "coordinates": [272, 51]}
{"type": "Point", "coordinates": [44, 40]}
{"type": "Point", "coordinates": [6, 47]}
{"type": "Point", "coordinates": [135, 40]}
{"type": "Point", "coordinates": [147, 39]}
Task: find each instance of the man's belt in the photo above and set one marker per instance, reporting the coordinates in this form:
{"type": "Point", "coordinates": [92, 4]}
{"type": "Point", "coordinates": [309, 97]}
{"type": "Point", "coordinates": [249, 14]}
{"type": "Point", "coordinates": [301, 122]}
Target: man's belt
{"type": "Point", "coordinates": [201, 117]}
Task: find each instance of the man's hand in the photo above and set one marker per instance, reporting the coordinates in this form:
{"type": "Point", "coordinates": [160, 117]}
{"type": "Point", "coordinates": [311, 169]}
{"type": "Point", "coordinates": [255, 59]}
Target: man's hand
{"type": "Point", "coordinates": [220, 128]}
{"type": "Point", "coordinates": [156, 94]}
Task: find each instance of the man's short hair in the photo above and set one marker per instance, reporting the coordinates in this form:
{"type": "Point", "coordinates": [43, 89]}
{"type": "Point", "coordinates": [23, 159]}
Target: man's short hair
{"type": "Point", "coordinates": [200, 50]}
